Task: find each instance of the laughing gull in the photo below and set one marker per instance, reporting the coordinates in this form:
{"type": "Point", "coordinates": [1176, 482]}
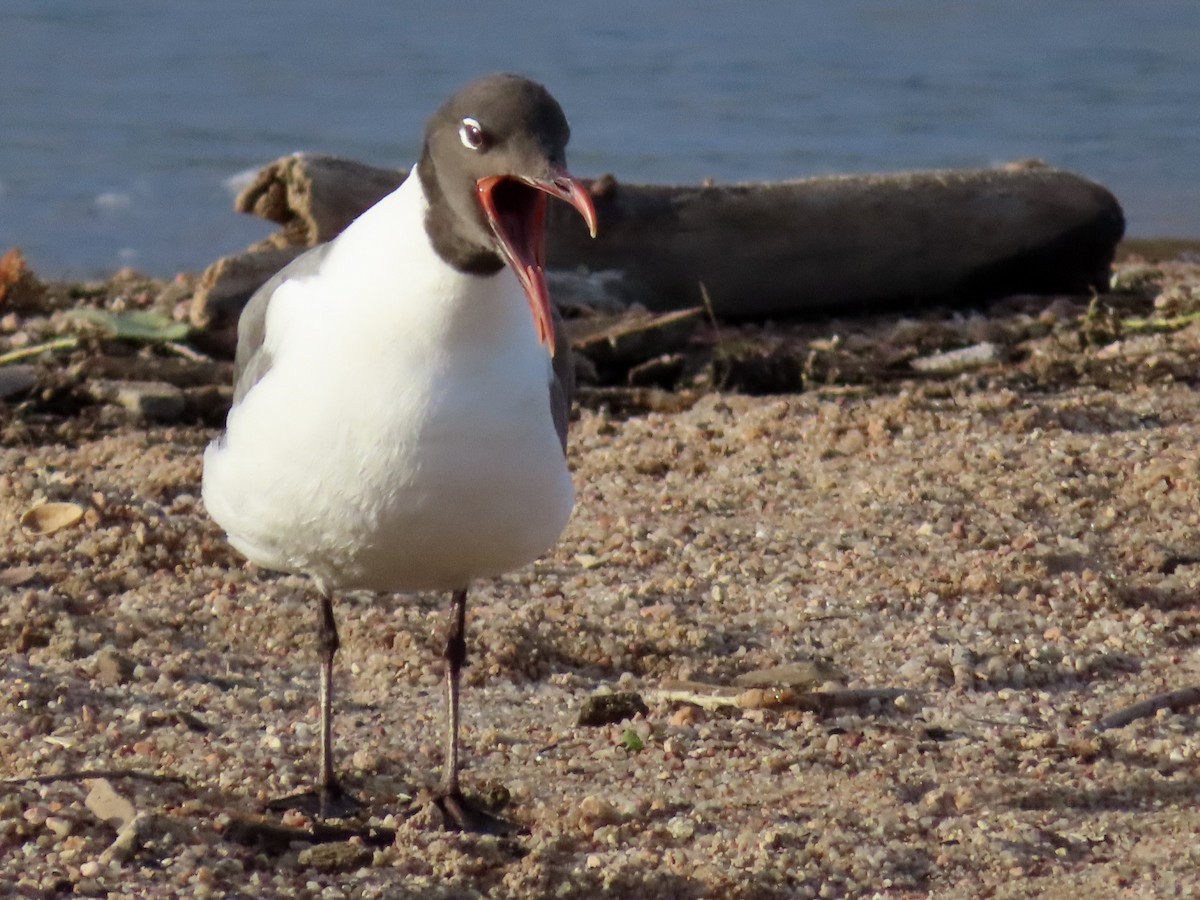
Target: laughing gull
{"type": "Point", "coordinates": [400, 419]}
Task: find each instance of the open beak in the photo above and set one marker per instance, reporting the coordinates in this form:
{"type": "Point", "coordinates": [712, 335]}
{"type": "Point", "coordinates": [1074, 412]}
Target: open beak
{"type": "Point", "coordinates": [516, 211]}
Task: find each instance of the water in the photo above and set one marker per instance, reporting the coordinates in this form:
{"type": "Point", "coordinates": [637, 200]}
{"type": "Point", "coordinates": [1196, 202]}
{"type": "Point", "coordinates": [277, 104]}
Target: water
{"type": "Point", "coordinates": [124, 124]}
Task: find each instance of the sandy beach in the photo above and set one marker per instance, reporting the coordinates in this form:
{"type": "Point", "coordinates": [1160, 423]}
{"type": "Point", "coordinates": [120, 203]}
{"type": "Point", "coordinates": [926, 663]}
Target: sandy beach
{"type": "Point", "coordinates": [963, 565]}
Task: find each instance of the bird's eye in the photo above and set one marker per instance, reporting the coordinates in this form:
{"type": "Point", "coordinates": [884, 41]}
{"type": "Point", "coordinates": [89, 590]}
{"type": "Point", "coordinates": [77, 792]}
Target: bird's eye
{"type": "Point", "coordinates": [471, 133]}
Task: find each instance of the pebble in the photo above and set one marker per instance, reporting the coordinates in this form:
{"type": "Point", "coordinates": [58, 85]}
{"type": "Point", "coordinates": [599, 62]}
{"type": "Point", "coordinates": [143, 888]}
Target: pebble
{"type": "Point", "coordinates": [335, 857]}
{"type": "Point", "coordinates": [113, 668]}
{"type": "Point", "coordinates": [90, 869]}
{"type": "Point", "coordinates": [596, 809]}
{"type": "Point", "coordinates": [59, 826]}
{"type": "Point", "coordinates": [610, 708]}
{"type": "Point", "coordinates": [154, 401]}
{"type": "Point", "coordinates": [965, 359]}
{"type": "Point", "coordinates": [804, 517]}
{"type": "Point", "coordinates": [16, 379]}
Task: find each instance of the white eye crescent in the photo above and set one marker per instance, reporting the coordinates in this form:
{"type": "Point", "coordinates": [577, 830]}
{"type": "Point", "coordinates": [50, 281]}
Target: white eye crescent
{"type": "Point", "coordinates": [471, 133]}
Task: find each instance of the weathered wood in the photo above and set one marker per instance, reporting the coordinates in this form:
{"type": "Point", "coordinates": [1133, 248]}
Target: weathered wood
{"type": "Point", "coordinates": [1176, 701]}
{"type": "Point", "coordinates": [851, 243]}
{"type": "Point", "coordinates": [840, 244]}
{"type": "Point", "coordinates": [227, 284]}
{"type": "Point", "coordinates": [315, 197]}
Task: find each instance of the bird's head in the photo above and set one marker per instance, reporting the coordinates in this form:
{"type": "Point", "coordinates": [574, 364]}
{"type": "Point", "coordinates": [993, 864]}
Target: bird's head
{"type": "Point", "coordinates": [493, 154]}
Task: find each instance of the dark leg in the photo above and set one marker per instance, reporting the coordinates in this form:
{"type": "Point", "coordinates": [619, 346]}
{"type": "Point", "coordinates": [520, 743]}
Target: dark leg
{"type": "Point", "coordinates": [457, 812]}
{"type": "Point", "coordinates": [327, 646]}
{"type": "Point", "coordinates": [455, 655]}
{"type": "Point", "coordinates": [327, 799]}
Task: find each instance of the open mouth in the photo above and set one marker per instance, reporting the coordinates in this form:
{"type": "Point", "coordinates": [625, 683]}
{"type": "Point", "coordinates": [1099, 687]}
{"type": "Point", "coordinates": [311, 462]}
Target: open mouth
{"type": "Point", "coordinates": [516, 211]}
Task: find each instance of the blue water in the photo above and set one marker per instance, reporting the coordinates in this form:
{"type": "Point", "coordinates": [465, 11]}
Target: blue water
{"type": "Point", "coordinates": [125, 124]}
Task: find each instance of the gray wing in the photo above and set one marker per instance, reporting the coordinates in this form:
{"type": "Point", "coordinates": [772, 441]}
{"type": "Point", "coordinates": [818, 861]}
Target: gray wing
{"type": "Point", "coordinates": [562, 381]}
{"type": "Point", "coordinates": [252, 360]}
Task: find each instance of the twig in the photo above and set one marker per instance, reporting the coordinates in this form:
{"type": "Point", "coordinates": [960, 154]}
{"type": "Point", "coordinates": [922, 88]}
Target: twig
{"type": "Point", "coordinates": [1137, 325]}
{"type": "Point", "coordinates": [85, 774]}
{"type": "Point", "coordinates": [712, 317]}
{"type": "Point", "coordinates": [66, 343]}
{"type": "Point", "coordinates": [278, 838]}
{"type": "Point", "coordinates": [721, 371]}
{"type": "Point", "coordinates": [718, 696]}
{"type": "Point", "coordinates": [187, 352]}
{"type": "Point", "coordinates": [611, 328]}
{"type": "Point", "coordinates": [1176, 701]}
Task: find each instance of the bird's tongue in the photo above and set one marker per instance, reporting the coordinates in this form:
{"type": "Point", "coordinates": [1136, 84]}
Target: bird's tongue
{"type": "Point", "coordinates": [517, 214]}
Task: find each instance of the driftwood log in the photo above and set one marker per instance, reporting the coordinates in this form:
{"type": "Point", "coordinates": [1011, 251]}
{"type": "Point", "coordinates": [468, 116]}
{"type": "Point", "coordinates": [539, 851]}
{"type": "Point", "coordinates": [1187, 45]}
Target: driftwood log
{"type": "Point", "coordinates": [859, 243]}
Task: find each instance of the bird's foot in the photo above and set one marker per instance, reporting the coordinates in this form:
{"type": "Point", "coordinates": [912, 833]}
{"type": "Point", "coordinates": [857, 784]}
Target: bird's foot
{"type": "Point", "coordinates": [322, 802]}
{"type": "Point", "coordinates": [458, 813]}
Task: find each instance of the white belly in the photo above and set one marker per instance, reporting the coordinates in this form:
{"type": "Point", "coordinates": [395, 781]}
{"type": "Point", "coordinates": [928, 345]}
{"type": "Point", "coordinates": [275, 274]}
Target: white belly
{"type": "Point", "coordinates": [415, 487]}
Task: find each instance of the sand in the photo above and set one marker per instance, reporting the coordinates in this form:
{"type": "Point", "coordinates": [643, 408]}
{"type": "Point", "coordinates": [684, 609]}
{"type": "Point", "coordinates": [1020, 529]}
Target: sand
{"type": "Point", "coordinates": [1006, 554]}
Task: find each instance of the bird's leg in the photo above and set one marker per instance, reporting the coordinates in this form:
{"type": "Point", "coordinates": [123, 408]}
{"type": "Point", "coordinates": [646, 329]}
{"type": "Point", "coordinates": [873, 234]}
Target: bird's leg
{"type": "Point", "coordinates": [455, 655]}
{"type": "Point", "coordinates": [327, 799]}
{"type": "Point", "coordinates": [327, 647]}
{"type": "Point", "coordinates": [458, 813]}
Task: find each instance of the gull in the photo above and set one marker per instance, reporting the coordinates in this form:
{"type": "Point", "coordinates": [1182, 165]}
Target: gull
{"type": "Point", "coordinates": [401, 394]}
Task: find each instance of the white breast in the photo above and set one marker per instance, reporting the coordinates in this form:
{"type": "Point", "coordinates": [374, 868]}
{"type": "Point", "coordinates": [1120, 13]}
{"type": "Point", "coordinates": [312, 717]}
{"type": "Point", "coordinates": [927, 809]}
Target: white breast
{"type": "Point", "coordinates": [402, 439]}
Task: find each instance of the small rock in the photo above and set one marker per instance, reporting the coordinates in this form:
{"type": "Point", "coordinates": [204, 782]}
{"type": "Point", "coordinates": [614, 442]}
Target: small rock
{"type": "Point", "coordinates": [15, 576]}
{"type": "Point", "coordinates": [59, 826]}
{"type": "Point", "coordinates": [127, 842]}
{"type": "Point", "coordinates": [152, 400]}
{"type": "Point", "coordinates": [16, 380]}
{"type": "Point", "coordinates": [765, 698]}
{"type": "Point", "coordinates": [804, 673]}
{"type": "Point", "coordinates": [339, 857]}
{"type": "Point", "coordinates": [608, 709]}
{"type": "Point", "coordinates": [681, 828]}
{"type": "Point", "coordinates": [588, 560]}
{"type": "Point", "coordinates": [596, 810]}
{"type": "Point", "coordinates": [964, 359]}
{"type": "Point", "coordinates": [112, 668]}
{"type": "Point", "coordinates": [106, 804]}
{"type": "Point", "coordinates": [90, 869]}
{"type": "Point", "coordinates": [684, 716]}
{"type": "Point", "coordinates": [492, 796]}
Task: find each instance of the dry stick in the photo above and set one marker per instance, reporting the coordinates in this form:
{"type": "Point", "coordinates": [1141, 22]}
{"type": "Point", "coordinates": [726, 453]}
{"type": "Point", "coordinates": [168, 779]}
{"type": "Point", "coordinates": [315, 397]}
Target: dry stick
{"type": "Point", "coordinates": [1176, 701]}
{"type": "Point", "coordinates": [1138, 325]}
{"type": "Point", "coordinates": [722, 354]}
{"type": "Point", "coordinates": [85, 774]}
{"type": "Point", "coordinates": [187, 352]}
{"type": "Point", "coordinates": [824, 617]}
{"type": "Point", "coordinates": [718, 696]}
{"type": "Point", "coordinates": [278, 838]}
{"type": "Point", "coordinates": [712, 316]}
{"type": "Point", "coordinates": [12, 356]}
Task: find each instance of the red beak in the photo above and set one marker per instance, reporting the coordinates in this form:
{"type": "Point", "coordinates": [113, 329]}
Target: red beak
{"type": "Point", "coordinates": [517, 216]}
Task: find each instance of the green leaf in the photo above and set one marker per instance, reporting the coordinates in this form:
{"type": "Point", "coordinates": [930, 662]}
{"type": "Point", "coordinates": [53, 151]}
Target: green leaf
{"type": "Point", "coordinates": [632, 741]}
{"type": "Point", "coordinates": [136, 324]}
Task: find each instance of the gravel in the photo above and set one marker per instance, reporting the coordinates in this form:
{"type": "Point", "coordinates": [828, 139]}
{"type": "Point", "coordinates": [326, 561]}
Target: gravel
{"type": "Point", "coordinates": [1019, 554]}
